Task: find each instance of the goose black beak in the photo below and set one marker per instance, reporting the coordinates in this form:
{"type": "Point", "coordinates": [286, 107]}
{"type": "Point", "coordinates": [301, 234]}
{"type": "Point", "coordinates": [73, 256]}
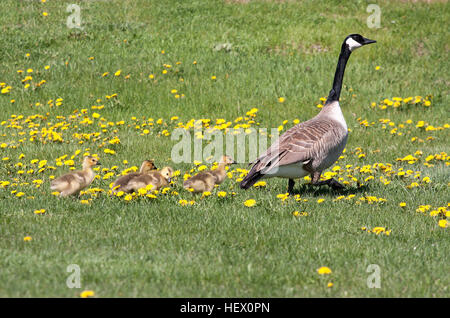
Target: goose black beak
{"type": "Point", "coordinates": [368, 41]}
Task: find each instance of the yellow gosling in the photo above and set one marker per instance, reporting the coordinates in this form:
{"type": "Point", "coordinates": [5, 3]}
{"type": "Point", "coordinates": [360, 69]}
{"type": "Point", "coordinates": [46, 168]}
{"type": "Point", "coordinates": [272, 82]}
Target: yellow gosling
{"type": "Point", "coordinates": [206, 180]}
{"type": "Point", "coordinates": [74, 182]}
{"type": "Point", "coordinates": [123, 183]}
{"type": "Point", "coordinates": [157, 179]}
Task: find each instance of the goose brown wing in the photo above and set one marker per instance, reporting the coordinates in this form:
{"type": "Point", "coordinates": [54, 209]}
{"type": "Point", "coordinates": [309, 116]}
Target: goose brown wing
{"type": "Point", "coordinates": [301, 143]}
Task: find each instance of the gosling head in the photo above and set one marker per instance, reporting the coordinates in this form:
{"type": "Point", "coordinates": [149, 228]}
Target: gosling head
{"type": "Point", "coordinates": [167, 173]}
{"type": "Point", "coordinates": [147, 166]}
{"type": "Point", "coordinates": [90, 161]}
{"type": "Point", "coordinates": [354, 41]}
{"type": "Point", "coordinates": [227, 160]}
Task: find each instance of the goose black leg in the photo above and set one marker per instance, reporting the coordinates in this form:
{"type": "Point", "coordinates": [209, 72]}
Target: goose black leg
{"type": "Point", "coordinates": [291, 184]}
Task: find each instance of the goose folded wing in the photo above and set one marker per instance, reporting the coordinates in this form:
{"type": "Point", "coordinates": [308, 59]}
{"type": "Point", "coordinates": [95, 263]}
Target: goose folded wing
{"type": "Point", "coordinates": [298, 144]}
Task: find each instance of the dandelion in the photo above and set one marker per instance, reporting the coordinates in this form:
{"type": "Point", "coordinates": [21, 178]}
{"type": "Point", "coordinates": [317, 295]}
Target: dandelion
{"type": "Point", "coordinates": [221, 194]}
{"type": "Point", "coordinates": [249, 203]}
{"type": "Point", "coordinates": [27, 238]}
{"type": "Point", "coordinates": [377, 230]}
{"type": "Point", "coordinates": [117, 73]}
{"type": "Point", "coordinates": [281, 99]}
{"type": "Point", "coordinates": [443, 223]}
{"type": "Point", "coordinates": [260, 184]}
{"type": "Point", "coordinates": [87, 293]}
{"type": "Point", "coordinates": [402, 204]}
{"type": "Point", "coordinates": [324, 270]}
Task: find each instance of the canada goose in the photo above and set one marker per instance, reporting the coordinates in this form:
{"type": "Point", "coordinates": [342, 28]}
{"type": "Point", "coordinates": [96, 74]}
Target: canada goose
{"type": "Point", "coordinates": [74, 182]}
{"type": "Point", "coordinates": [206, 180]}
{"type": "Point", "coordinates": [157, 179]}
{"type": "Point", "coordinates": [314, 145]}
{"type": "Point", "coordinates": [121, 184]}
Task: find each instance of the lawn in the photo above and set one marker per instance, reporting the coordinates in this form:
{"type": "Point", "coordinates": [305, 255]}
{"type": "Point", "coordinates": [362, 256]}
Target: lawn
{"type": "Point", "coordinates": [121, 86]}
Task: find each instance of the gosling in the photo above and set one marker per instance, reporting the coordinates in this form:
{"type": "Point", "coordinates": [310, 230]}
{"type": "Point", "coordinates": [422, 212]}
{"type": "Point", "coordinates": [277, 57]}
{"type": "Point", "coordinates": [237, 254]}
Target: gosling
{"type": "Point", "coordinates": [74, 182]}
{"type": "Point", "coordinates": [123, 183]}
{"type": "Point", "coordinates": [157, 179]}
{"type": "Point", "coordinates": [206, 180]}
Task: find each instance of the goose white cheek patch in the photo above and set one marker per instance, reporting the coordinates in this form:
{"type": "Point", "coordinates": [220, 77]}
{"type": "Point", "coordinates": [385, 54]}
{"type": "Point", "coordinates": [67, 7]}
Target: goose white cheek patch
{"type": "Point", "coordinates": [352, 44]}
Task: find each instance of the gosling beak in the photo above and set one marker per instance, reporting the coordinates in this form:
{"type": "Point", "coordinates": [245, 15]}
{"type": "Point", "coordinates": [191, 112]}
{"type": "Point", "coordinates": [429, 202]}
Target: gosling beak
{"type": "Point", "coordinates": [169, 180]}
{"type": "Point", "coordinates": [98, 163]}
{"type": "Point", "coordinates": [234, 162]}
{"type": "Point", "coordinates": [368, 41]}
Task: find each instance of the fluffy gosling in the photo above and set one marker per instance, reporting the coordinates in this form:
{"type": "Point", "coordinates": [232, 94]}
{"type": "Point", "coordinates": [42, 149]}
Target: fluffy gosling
{"type": "Point", "coordinates": [123, 183]}
{"type": "Point", "coordinates": [74, 182]}
{"type": "Point", "coordinates": [206, 180]}
{"type": "Point", "coordinates": [157, 179]}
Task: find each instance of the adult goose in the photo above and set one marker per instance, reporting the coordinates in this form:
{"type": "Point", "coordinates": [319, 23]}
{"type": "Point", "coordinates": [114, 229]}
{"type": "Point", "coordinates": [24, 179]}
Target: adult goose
{"type": "Point", "coordinates": [314, 145]}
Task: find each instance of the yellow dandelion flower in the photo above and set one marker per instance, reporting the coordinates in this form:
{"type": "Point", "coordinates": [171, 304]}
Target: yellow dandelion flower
{"type": "Point", "coordinates": [221, 194]}
{"type": "Point", "coordinates": [260, 184]}
{"type": "Point", "coordinates": [249, 203]}
{"type": "Point", "coordinates": [206, 194]}
{"type": "Point", "coordinates": [324, 270]}
{"type": "Point", "coordinates": [87, 293]}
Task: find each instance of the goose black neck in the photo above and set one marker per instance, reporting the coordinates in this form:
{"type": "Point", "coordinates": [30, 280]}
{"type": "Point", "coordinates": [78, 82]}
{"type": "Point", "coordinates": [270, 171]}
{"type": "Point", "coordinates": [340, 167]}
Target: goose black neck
{"type": "Point", "coordinates": [339, 75]}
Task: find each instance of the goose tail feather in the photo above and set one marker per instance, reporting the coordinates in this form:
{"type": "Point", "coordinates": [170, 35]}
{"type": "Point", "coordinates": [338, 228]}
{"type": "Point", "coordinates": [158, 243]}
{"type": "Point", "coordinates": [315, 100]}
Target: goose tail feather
{"type": "Point", "coordinates": [250, 179]}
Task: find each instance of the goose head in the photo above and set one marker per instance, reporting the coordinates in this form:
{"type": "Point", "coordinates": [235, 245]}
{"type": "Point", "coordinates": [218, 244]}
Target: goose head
{"type": "Point", "coordinates": [147, 166]}
{"type": "Point", "coordinates": [354, 41]}
{"type": "Point", "coordinates": [227, 160]}
{"type": "Point", "coordinates": [167, 173]}
{"type": "Point", "coordinates": [90, 161]}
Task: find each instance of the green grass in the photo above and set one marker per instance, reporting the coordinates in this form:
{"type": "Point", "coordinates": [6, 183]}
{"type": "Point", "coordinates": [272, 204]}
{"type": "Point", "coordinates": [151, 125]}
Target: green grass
{"type": "Point", "coordinates": [219, 247]}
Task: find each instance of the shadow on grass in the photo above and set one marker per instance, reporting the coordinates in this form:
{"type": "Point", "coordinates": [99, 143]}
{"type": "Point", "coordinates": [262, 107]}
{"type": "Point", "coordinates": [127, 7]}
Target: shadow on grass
{"type": "Point", "coordinates": [307, 188]}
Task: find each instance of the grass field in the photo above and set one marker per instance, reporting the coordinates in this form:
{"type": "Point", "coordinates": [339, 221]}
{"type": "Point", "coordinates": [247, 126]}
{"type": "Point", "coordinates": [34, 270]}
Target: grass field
{"type": "Point", "coordinates": [109, 89]}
